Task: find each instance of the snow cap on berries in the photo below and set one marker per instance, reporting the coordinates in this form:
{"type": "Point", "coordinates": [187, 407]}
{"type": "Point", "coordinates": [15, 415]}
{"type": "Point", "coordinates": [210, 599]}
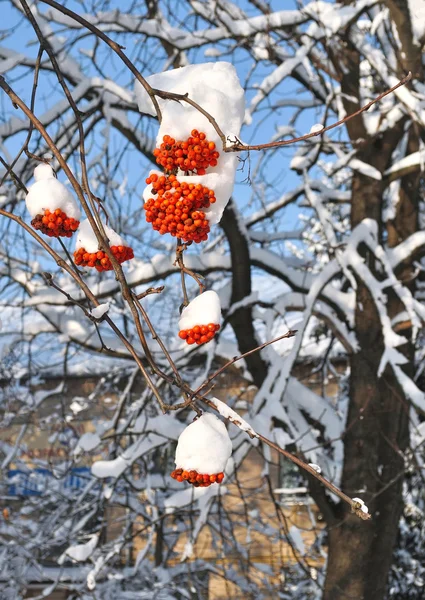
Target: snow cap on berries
{"type": "Point", "coordinates": [215, 87]}
{"type": "Point", "coordinates": [87, 239]}
{"type": "Point", "coordinates": [43, 171]}
{"type": "Point", "coordinates": [49, 193]}
{"type": "Point", "coordinates": [204, 446]}
{"type": "Point", "coordinates": [204, 309]}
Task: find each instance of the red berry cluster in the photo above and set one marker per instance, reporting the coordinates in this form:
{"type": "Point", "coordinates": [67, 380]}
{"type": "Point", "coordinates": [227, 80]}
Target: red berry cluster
{"type": "Point", "coordinates": [99, 260]}
{"type": "Point", "coordinates": [55, 224]}
{"type": "Point", "coordinates": [193, 155]}
{"type": "Point", "coordinates": [177, 209]}
{"type": "Point", "coordinates": [196, 479]}
{"type": "Point", "coordinates": [200, 334]}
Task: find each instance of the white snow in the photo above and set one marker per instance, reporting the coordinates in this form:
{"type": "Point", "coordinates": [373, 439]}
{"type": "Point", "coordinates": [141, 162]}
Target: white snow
{"type": "Point", "coordinates": [115, 467]}
{"type": "Point", "coordinates": [228, 413]}
{"type": "Point", "coordinates": [317, 127]}
{"type": "Point", "coordinates": [216, 88]}
{"type": "Point", "coordinates": [48, 192]}
{"type": "Point", "coordinates": [297, 539]}
{"type": "Point", "coordinates": [417, 14]}
{"type": "Point", "coordinates": [100, 310]}
{"type": "Point", "coordinates": [204, 309]}
{"type": "Point", "coordinates": [87, 442]}
{"type": "Point", "coordinates": [363, 506]}
{"type": "Point", "coordinates": [315, 467]}
{"type": "Point", "coordinates": [86, 237]}
{"type": "Point", "coordinates": [299, 163]}
{"type": "Point", "coordinates": [80, 552]}
{"type": "Point", "coordinates": [204, 446]}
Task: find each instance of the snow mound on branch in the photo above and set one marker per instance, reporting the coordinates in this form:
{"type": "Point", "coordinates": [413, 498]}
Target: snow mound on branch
{"type": "Point", "coordinates": [362, 505]}
{"type": "Point", "coordinates": [48, 192]}
{"type": "Point", "coordinates": [80, 552]}
{"type": "Point", "coordinates": [204, 309]}
{"type": "Point", "coordinates": [99, 311]}
{"type": "Point", "coordinates": [216, 88]}
{"type": "Point", "coordinates": [204, 446]}
{"type": "Point", "coordinates": [417, 14]}
{"type": "Point", "coordinates": [87, 239]}
{"type": "Point", "coordinates": [87, 442]}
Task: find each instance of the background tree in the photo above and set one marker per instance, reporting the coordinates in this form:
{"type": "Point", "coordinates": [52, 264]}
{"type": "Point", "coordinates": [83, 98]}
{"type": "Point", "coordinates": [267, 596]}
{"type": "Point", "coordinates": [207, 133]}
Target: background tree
{"type": "Point", "coordinates": [327, 236]}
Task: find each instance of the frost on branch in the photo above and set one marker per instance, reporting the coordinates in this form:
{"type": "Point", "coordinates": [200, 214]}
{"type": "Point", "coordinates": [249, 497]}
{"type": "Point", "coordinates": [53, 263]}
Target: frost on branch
{"type": "Point", "coordinates": [216, 88]}
{"type": "Point", "coordinates": [51, 205]}
{"type": "Point", "coordinates": [203, 450]}
{"type": "Point", "coordinates": [200, 320]}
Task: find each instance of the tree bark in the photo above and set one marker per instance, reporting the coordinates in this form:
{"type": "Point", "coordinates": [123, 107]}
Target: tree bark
{"type": "Point", "coordinates": [377, 430]}
{"type": "Point", "coordinates": [241, 319]}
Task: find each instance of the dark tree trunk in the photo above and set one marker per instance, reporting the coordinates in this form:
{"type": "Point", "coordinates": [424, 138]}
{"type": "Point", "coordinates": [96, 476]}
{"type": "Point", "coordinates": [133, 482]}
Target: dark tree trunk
{"type": "Point", "coordinates": [377, 429]}
{"type": "Point", "coordinates": [241, 319]}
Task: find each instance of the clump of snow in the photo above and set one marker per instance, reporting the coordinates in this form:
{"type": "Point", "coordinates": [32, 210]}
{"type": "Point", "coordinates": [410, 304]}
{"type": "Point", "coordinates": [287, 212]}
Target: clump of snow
{"type": "Point", "coordinates": [87, 442]}
{"type": "Point", "coordinates": [315, 128]}
{"type": "Point", "coordinates": [204, 446]}
{"type": "Point", "coordinates": [216, 88]}
{"type": "Point", "coordinates": [315, 467]}
{"type": "Point", "coordinates": [232, 416]}
{"type": "Point", "coordinates": [204, 309]}
{"type": "Point", "coordinates": [362, 505]}
{"type": "Point", "coordinates": [87, 239]}
{"type": "Point", "coordinates": [187, 551]}
{"type": "Point", "coordinates": [417, 14]}
{"type": "Point", "coordinates": [299, 163]}
{"type": "Point", "coordinates": [48, 192]}
{"type": "Point", "coordinates": [297, 539]}
{"type": "Point", "coordinates": [80, 552]}
{"type": "Point", "coordinates": [78, 404]}
{"type": "Point", "coordinates": [100, 310]}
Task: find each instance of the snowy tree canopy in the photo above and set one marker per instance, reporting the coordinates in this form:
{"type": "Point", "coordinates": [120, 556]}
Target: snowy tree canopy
{"type": "Point", "coordinates": [322, 235]}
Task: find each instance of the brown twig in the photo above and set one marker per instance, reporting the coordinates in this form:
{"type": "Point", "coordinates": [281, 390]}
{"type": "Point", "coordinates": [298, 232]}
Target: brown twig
{"type": "Point", "coordinates": [288, 334]}
{"type": "Point", "coordinates": [76, 276]}
{"type": "Point", "coordinates": [150, 291]}
{"type": "Point", "coordinates": [31, 126]}
{"type": "Point", "coordinates": [113, 45]}
{"type": "Point", "coordinates": [103, 242]}
{"type": "Point", "coordinates": [355, 506]}
{"type": "Point", "coordinates": [192, 395]}
{"type": "Point", "coordinates": [237, 146]}
{"type": "Point", "coordinates": [180, 248]}
{"type": "Point", "coordinates": [240, 147]}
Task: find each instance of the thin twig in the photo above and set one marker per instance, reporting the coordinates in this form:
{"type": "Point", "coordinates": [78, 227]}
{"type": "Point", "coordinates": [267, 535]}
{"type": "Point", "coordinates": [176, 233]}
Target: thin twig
{"type": "Point", "coordinates": [113, 45]}
{"type": "Point", "coordinates": [288, 334]}
{"type": "Point", "coordinates": [180, 248]}
{"type": "Point", "coordinates": [240, 147]}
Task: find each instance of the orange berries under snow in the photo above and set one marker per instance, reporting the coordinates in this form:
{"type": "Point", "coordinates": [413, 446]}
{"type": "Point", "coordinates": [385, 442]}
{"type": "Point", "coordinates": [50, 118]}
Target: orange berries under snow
{"type": "Point", "coordinates": [202, 452]}
{"type": "Point", "coordinates": [197, 479]}
{"type": "Point", "coordinates": [200, 334]}
{"type": "Point", "coordinates": [100, 260]}
{"type": "Point", "coordinates": [88, 254]}
{"type": "Point", "coordinates": [51, 205]}
{"type": "Point", "coordinates": [200, 319]}
{"type": "Point", "coordinates": [193, 155]}
{"type": "Point", "coordinates": [55, 224]}
{"type": "Point", "coordinates": [178, 207]}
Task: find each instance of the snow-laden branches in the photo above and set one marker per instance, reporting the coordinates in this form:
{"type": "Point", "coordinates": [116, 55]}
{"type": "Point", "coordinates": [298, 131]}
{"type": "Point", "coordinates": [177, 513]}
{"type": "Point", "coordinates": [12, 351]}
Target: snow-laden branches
{"type": "Point", "coordinates": [296, 262]}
